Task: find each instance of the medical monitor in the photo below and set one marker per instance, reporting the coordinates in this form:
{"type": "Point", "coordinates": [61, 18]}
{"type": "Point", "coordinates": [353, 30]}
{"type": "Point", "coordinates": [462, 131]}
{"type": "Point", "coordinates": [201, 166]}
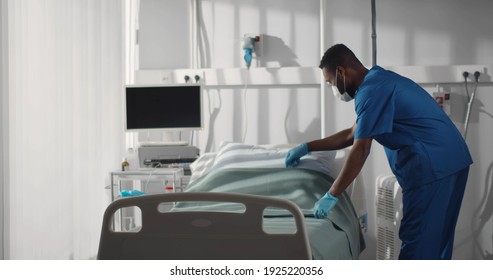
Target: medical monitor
{"type": "Point", "coordinates": [163, 107]}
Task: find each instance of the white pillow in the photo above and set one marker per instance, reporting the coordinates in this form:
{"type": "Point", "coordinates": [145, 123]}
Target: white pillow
{"type": "Point", "coordinates": [237, 155]}
{"type": "Point", "coordinates": [202, 165]}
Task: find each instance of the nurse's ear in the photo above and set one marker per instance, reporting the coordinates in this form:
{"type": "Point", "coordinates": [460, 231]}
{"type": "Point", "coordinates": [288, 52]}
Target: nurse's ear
{"type": "Point", "coordinates": [340, 71]}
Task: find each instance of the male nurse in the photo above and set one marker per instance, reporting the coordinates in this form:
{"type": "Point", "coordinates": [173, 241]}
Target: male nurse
{"type": "Point", "coordinates": [424, 149]}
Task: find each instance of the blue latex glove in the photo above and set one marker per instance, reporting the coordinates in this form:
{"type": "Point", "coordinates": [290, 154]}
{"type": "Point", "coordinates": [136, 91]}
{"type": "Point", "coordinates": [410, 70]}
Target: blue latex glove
{"type": "Point", "coordinates": [127, 193]}
{"type": "Point", "coordinates": [294, 155]}
{"type": "Point", "coordinates": [324, 206]}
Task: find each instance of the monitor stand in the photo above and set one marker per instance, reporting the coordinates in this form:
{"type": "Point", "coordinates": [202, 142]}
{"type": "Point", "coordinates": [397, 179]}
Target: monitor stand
{"type": "Point", "coordinates": [162, 139]}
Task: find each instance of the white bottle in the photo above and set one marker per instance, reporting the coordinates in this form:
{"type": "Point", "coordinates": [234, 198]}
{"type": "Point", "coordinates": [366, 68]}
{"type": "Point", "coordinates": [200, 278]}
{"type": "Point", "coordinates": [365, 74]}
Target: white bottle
{"type": "Point", "coordinates": [125, 164]}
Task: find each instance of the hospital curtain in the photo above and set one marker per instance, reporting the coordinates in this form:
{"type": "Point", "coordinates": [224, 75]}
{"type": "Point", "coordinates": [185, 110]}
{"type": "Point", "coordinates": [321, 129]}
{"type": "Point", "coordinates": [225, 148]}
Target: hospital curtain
{"type": "Point", "coordinates": [65, 128]}
{"type": "Point", "coordinates": [3, 112]}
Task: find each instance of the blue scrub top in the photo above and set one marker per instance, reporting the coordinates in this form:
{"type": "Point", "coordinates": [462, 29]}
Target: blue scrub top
{"type": "Point", "coordinates": [421, 142]}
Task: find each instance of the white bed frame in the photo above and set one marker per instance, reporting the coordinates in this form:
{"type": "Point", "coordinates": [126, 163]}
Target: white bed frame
{"type": "Point", "coordinates": [203, 235]}
{"type": "Point", "coordinates": [207, 235]}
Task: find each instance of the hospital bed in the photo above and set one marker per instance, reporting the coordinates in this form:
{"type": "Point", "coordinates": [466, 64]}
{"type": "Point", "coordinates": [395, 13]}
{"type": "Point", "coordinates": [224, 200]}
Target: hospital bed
{"type": "Point", "coordinates": [242, 204]}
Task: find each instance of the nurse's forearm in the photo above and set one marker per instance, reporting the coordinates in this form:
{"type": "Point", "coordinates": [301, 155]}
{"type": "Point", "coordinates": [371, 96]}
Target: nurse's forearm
{"type": "Point", "coordinates": [340, 140]}
{"type": "Point", "coordinates": [353, 165]}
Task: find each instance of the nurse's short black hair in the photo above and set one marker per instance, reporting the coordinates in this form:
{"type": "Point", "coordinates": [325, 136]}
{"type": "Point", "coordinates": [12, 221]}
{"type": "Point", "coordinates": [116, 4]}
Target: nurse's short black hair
{"type": "Point", "coordinates": [338, 55]}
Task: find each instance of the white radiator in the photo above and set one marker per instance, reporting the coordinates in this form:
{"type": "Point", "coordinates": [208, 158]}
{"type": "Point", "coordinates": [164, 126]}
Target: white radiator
{"type": "Point", "coordinates": [389, 214]}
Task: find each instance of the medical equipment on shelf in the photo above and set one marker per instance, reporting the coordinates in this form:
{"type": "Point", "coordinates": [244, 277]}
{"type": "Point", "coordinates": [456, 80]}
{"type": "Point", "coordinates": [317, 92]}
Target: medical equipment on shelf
{"type": "Point", "coordinates": [165, 107]}
{"type": "Point", "coordinates": [156, 155]}
{"type": "Point", "coordinates": [470, 98]}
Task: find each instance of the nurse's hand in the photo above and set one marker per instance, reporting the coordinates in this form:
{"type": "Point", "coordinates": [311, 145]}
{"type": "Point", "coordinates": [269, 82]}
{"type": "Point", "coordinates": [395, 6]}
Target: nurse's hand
{"type": "Point", "coordinates": [294, 155]}
{"type": "Point", "coordinates": [324, 206]}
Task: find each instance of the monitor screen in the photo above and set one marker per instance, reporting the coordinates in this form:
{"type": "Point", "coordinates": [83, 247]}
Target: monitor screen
{"type": "Point", "coordinates": [164, 107]}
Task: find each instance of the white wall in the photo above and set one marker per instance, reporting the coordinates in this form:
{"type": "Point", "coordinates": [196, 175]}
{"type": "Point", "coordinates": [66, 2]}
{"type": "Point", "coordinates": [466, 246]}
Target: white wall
{"type": "Point", "coordinates": [163, 36]}
{"type": "Point", "coordinates": [439, 32]}
{"type": "Point", "coordinates": [289, 26]}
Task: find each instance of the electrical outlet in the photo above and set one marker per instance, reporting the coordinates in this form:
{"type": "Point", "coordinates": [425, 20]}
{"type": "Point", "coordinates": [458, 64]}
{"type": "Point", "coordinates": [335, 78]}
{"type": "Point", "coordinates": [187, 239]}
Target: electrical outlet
{"type": "Point", "coordinates": [443, 100]}
{"type": "Point", "coordinates": [190, 76]}
{"type": "Point", "coordinates": [471, 74]}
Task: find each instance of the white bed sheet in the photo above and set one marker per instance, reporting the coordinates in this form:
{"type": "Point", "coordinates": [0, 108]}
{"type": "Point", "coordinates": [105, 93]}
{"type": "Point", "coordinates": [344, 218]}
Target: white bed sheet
{"type": "Point", "coordinates": [239, 155]}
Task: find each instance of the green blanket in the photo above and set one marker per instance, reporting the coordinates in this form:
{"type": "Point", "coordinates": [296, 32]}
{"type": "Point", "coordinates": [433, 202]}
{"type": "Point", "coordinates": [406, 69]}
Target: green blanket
{"type": "Point", "coordinates": [336, 237]}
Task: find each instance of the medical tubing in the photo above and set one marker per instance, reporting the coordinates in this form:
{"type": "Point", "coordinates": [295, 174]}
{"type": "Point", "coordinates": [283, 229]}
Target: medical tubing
{"type": "Point", "coordinates": [245, 121]}
{"type": "Point", "coordinates": [465, 75]}
{"type": "Point", "coordinates": [469, 106]}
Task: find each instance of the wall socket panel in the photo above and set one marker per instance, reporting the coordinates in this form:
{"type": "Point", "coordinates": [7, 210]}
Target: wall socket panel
{"type": "Point", "coordinates": [442, 74]}
{"type": "Point", "coordinates": [471, 78]}
{"type": "Point", "coordinates": [305, 76]}
{"type": "Point", "coordinates": [444, 100]}
{"type": "Point", "coordinates": [179, 76]}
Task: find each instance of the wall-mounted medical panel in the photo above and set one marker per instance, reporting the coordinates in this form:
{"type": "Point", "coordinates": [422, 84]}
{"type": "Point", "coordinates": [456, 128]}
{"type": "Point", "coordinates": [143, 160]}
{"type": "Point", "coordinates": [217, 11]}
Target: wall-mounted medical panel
{"type": "Point", "coordinates": [443, 74]}
{"type": "Point", "coordinates": [302, 76]}
{"type": "Point", "coordinates": [233, 77]}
